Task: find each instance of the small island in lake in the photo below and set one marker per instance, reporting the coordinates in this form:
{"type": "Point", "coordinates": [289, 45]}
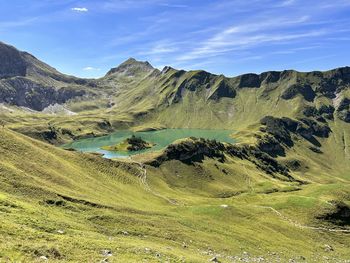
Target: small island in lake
{"type": "Point", "coordinates": [130, 144]}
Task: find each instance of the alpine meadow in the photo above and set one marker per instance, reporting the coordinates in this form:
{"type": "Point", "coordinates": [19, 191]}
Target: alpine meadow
{"type": "Point", "coordinates": [154, 163]}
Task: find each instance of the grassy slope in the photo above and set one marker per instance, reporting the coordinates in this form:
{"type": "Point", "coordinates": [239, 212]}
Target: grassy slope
{"type": "Point", "coordinates": [32, 172]}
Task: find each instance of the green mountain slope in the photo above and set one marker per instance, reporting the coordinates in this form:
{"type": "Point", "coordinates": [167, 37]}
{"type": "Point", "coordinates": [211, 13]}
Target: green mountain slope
{"type": "Point", "coordinates": [199, 97]}
{"type": "Point", "coordinates": [68, 206]}
{"type": "Point", "coordinates": [281, 193]}
{"type": "Point", "coordinates": [136, 94]}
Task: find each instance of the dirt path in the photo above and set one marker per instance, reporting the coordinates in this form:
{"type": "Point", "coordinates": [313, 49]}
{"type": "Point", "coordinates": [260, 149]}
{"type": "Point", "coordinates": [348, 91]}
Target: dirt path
{"type": "Point", "coordinates": [143, 182]}
{"type": "Point", "coordinates": [296, 224]}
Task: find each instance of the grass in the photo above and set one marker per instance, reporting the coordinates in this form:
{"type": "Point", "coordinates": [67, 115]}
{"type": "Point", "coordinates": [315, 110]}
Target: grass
{"type": "Point", "coordinates": [139, 225]}
{"type": "Point", "coordinates": [70, 206]}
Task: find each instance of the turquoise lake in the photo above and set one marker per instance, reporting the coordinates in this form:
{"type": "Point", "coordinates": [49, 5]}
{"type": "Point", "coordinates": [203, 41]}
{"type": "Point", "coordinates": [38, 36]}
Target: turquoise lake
{"type": "Point", "coordinates": [161, 139]}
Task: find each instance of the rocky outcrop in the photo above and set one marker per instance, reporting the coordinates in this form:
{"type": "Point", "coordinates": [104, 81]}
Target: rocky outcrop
{"type": "Point", "coordinates": [196, 81]}
{"type": "Point", "coordinates": [304, 90]}
{"type": "Point", "coordinates": [280, 129]}
{"type": "Point", "coordinates": [21, 91]}
{"type": "Point", "coordinates": [249, 81]}
{"type": "Point", "coordinates": [339, 215]}
{"type": "Point", "coordinates": [333, 82]}
{"type": "Point", "coordinates": [194, 150]}
{"type": "Point", "coordinates": [137, 144]}
{"type": "Point", "coordinates": [324, 112]}
{"type": "Point", "coordinates": [271, 145]}
{"type": "Point", "coordinates": [314, 128]}
{"type": "Point", "coordinates": [261, 159]}
{"type": "Point", "coordinates": [223, 90]}
{"type": "Point", "coordinates": [280, 132]}
{"type": "Point", "coordinates": [343, 110]}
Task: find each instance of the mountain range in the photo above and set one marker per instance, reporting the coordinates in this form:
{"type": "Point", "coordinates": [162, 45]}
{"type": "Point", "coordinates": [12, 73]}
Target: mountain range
{"type": "Point", "coordinates": [281, 192]}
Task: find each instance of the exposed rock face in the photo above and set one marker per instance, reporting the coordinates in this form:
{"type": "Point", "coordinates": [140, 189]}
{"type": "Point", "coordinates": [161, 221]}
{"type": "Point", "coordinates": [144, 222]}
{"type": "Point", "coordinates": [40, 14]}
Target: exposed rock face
{"type": "Point", "coordinates": [192, 150]}
{"type": "Point", "coordinates": [334, 81]}
{"type": "Point", "coordinates": [196, 81]}
{"type": "Point", "coordinates": [343, 110]}
{"type": "Point", "coordinates": [11, 62]}
{"type": "Point", "coordinates": [324, 112]}
{"type": "Point", "coordinates": [249, 81]}
{"type": "Point", "coordinates": [137, 144]}
{"type": "Point", "coordinates": [261, 160]}
{"type": "Point", "coordinates": [21, 91]}
{"type": "Point", "coordinates": [340, 215]}
{"type": "Point", "coordinates": [223, 91]}
{"type": "Point", "coordinates": [212, 87]}
{"type": "Point", "coordinates": [316, 129]}
{"type": "Point", "coordinates": [282, 129]}
{"type": "Point", "coordinates": [270, 77]}
{"type": "Point", "coordinates": [271, 145]}
{"type": "Point", "coordinates": [289, 83]}
{"type": "Point", "coordinates": [305, 90]}
{"type": "Point", "coordinates": [195, 150]}
{"type": "Point", "coordinates": [28, 82]}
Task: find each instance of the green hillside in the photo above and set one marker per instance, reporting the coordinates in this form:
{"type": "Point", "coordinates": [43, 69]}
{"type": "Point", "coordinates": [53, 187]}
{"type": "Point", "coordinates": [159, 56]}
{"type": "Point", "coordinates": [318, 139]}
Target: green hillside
{"type": "Point", "coordinates": [71, 206]}
{"type": "Point", "coordinates": [281, 193]}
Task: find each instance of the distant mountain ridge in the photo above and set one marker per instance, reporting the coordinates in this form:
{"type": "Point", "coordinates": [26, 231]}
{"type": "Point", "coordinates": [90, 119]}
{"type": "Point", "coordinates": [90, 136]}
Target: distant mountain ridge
{"type": "Point", "coordinates": [139, 89]}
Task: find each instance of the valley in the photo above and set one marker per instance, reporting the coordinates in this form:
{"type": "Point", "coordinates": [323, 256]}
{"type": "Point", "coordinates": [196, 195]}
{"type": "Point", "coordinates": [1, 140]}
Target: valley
{"type": "Point", "coordinates": [254, 168]}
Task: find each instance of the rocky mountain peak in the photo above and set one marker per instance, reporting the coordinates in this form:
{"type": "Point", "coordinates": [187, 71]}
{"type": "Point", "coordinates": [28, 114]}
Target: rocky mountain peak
{"type": "Point", "coordinates": [12, 62]}
{"type": "Point", "coordinates": [131, 67]}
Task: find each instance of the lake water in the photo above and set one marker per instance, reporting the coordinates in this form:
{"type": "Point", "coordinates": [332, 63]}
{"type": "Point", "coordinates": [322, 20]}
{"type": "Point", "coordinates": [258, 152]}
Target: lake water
{"type": "Point", "coordinates": [161, 139]}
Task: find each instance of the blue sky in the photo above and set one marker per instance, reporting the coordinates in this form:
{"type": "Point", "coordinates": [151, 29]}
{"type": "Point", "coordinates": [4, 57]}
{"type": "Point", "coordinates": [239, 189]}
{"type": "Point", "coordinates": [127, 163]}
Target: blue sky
{"type": "Point", "coordinates": [86, 38]}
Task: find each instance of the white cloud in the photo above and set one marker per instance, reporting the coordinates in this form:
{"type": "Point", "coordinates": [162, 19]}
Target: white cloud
{"type": "Point", "coordinates": [245, 36]}
{"type": "Point", "coordinates": [80, 9]}
{"type": "Point", "coordinates": [173, 6]}
{"type": "Point", "coordinates": [122, 5]}
{"type": "Point", "coordinates": [160, 48]}
{"type": "Point", "coordinates": [286, 3]}
{"type": "Point", "coordinates": [91, 69]}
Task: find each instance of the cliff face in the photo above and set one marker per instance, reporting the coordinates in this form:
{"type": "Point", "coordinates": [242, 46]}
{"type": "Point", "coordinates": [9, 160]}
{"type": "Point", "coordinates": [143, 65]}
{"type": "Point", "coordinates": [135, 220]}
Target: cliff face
{"type": "Point", "coordinates": [21, 91]}
{"type": "Point", "coordinates": [11, 62]}
{"type": "Point", "coordinates": [26, 81]}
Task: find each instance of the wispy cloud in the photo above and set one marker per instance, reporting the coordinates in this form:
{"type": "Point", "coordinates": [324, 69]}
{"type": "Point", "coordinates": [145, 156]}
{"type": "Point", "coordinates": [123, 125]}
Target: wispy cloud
{"type": "Point", "coordinates": [287, 3]}
{"type": "Point", "coordinates": [163, 47]}
{"type": "Point", "coordinates": [18, 23]}
{"type": "Point", "coordinates": [80, 9]}
{"type": "Point", "coordinates": [245, 36]}
{"type": "Point", "coordinates": [122, 5]}
{"type": "Point", "coordinates": [91, 69]}
{"type": "Point", "coordinates": [173, 5]}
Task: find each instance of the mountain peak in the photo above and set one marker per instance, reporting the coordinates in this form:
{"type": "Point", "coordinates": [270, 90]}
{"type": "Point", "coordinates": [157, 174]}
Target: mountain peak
{"type": "Point", "coordinates": [132, 66]}
{"type": "Point", "coordinates": [11, 62]}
